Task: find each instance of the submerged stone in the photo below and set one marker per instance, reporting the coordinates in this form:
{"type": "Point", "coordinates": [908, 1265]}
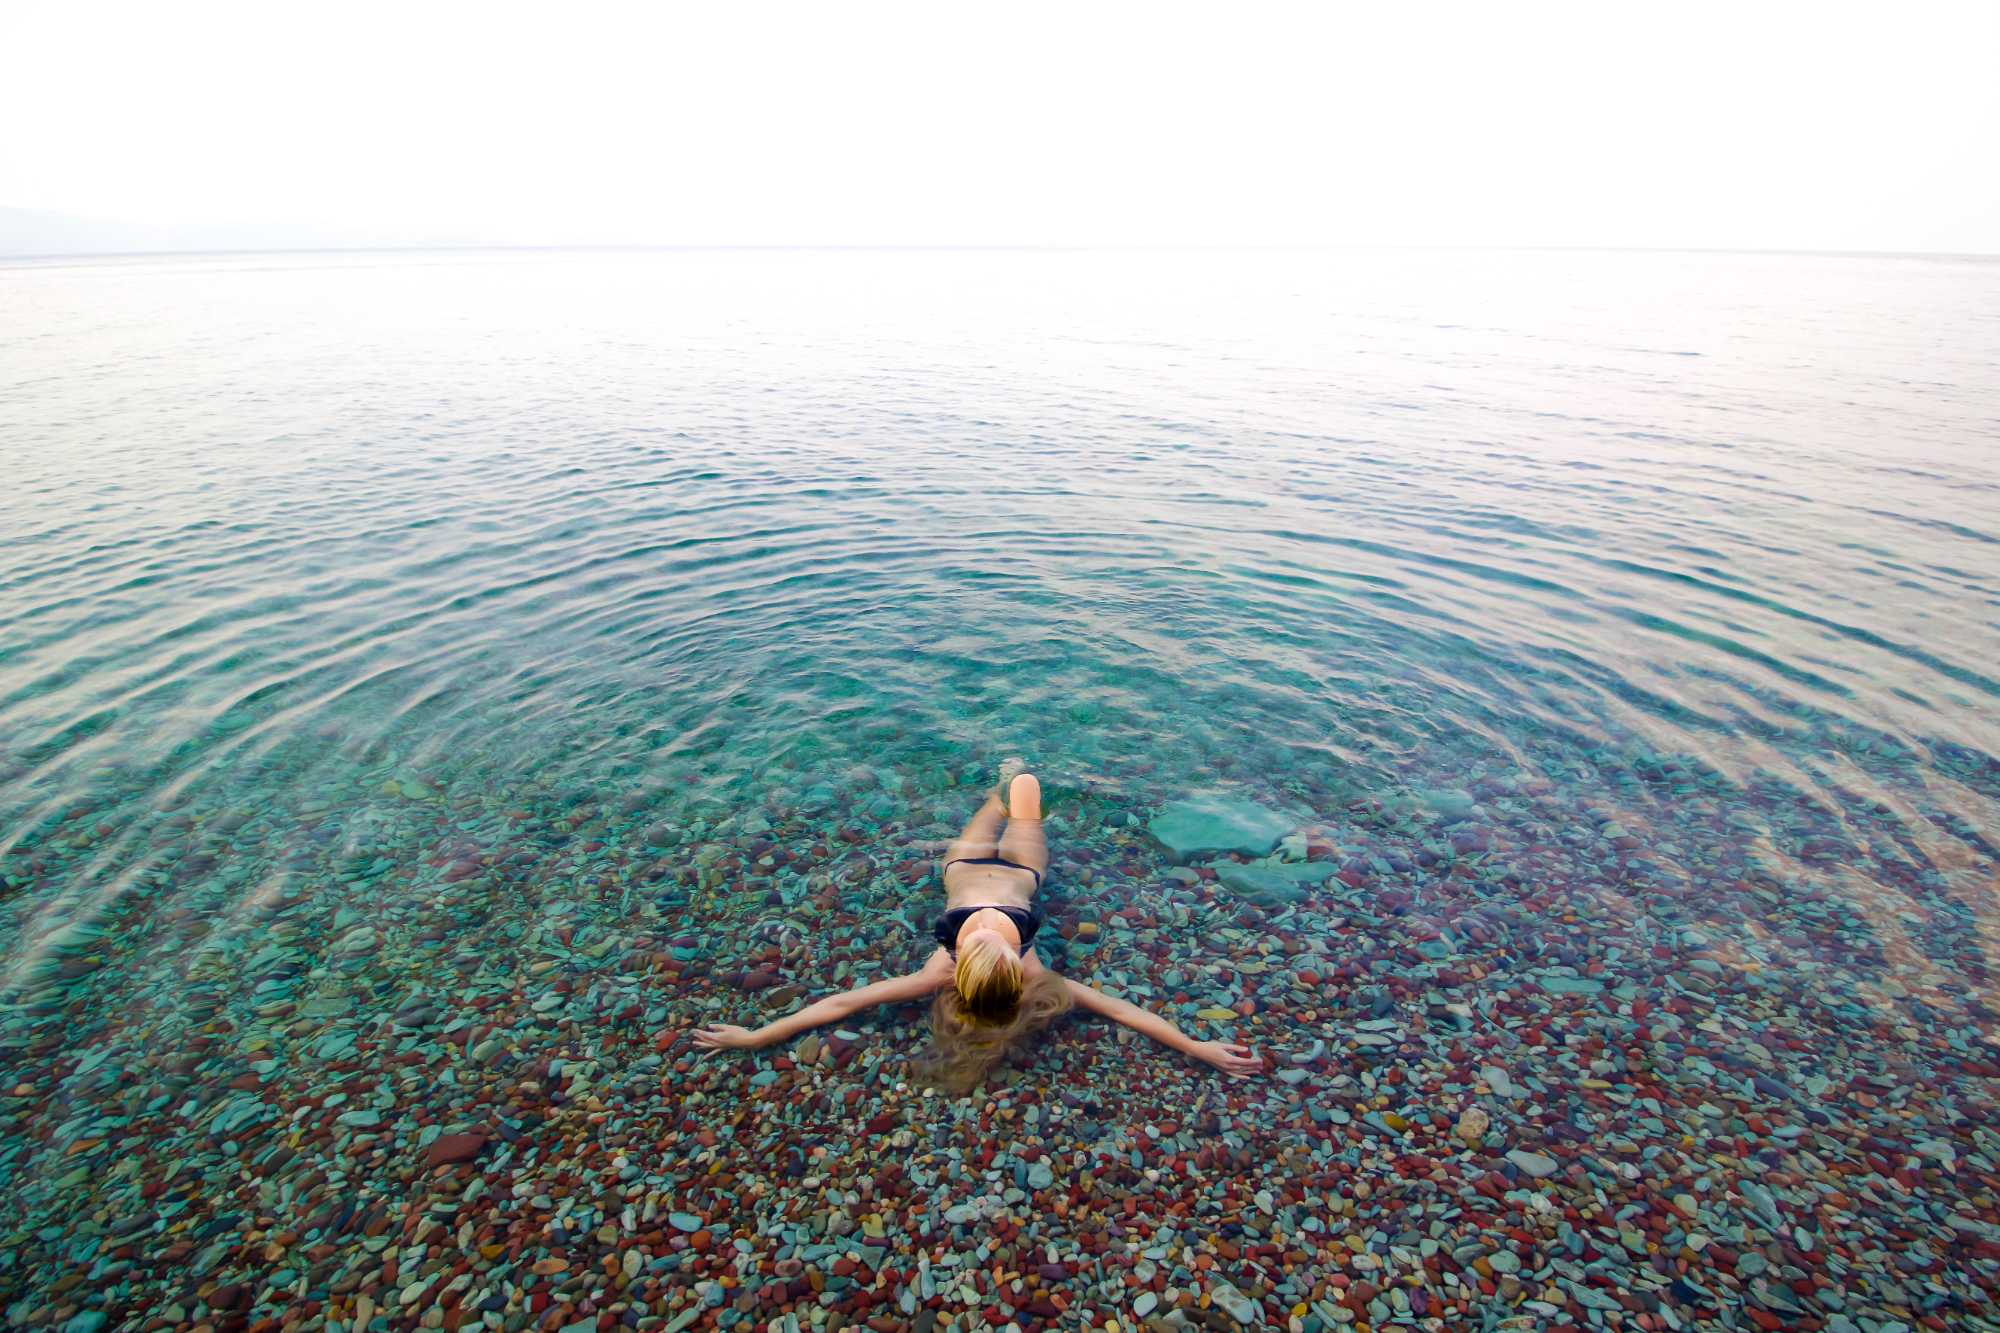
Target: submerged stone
{"type": "Point", "coordinates": [1237, 1305]}
{"type": "Point", "coordinates": [1211, 825]}
{"type": "Point", "coordinates": [1263, 886]}
{"type": "Point", "coordinates": [1534, 1163]}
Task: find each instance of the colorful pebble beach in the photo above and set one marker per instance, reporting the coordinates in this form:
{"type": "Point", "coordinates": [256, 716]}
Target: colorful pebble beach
{"type": "Point", "coordinates": [1593, 837]}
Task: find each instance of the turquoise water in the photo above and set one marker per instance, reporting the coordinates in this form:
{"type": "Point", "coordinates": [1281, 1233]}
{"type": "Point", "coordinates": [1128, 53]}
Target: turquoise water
{"type": "Point", "coordinates": [726, 522]}
{"type": "Point", "coordinates": [724, 525]}
{"type": "Point", "coordinates": [312, 568]}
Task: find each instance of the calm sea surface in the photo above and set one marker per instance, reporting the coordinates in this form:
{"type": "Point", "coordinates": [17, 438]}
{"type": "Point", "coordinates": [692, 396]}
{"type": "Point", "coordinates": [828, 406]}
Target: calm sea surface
{"type": "Point", "coordinates": [719, 523]}
{"type": "Point", "coordinates": [312, 564]}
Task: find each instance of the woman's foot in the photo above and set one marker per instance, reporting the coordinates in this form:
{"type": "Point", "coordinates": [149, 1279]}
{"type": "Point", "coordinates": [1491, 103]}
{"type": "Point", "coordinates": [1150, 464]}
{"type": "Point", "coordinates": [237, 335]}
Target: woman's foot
{"type": "Point", "coordinates": [1024, 797]}
{"type": "Point", "coordinates": [1010, 768]}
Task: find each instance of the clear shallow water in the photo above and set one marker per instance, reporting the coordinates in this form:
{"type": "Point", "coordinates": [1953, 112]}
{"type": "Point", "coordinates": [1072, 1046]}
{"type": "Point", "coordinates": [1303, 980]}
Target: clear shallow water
{"type": "Point", "coordinates": [1339, 522]}
{"type": "Point", "coordinates": [313, 568]}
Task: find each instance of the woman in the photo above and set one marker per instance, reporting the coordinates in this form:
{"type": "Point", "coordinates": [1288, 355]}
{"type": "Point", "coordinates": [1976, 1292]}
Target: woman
{"type": "Point", "coordinates": [991, 989]}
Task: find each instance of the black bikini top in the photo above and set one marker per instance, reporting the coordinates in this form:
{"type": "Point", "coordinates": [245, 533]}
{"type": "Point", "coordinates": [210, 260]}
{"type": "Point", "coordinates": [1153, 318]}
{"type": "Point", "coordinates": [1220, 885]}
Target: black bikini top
{"type": "Point", "coordinates": [1027, 921]}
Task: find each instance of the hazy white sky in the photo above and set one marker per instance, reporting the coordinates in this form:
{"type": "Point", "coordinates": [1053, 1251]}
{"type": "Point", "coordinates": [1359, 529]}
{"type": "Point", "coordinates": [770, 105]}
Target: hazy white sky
{"type": "Point", "coordinates": [1810, 125]}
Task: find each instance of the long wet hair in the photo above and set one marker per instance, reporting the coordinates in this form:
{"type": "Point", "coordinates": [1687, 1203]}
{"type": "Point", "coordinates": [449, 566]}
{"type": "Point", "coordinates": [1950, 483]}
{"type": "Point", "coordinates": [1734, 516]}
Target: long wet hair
{"type": "Point", "coordinates": [986, 1014]}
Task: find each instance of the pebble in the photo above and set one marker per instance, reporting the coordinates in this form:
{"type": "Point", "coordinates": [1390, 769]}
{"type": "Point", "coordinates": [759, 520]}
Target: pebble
{"type": "Point", "coordinates": [1236, 1304]}
{"type": "Point", "coordinates": [279, 1099]}
{"type": "Point", "coordinates": [1534, 1163]}
{"type": "Point", "coordinates": [1472, 1123]}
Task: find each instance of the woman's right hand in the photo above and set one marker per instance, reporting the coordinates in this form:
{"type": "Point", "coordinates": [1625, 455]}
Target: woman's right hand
{"type": "Point", "coordinates": [1235, 1061]}
{"type": "Point", "coordinates": [724, 1034]}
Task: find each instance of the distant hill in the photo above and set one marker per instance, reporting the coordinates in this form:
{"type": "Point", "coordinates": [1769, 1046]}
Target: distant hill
{"type": "Point", "coordinates": [27, 232]}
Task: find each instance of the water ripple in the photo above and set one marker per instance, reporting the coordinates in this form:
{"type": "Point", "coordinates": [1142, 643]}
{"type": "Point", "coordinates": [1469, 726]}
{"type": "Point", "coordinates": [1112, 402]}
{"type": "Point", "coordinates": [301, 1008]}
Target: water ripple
{"type": "Point", "coordinates": [1327, 525]}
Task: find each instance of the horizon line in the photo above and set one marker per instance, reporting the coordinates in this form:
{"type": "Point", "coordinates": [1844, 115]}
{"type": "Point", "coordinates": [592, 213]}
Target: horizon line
{"type": "Point", "coordinates": [54, 259]}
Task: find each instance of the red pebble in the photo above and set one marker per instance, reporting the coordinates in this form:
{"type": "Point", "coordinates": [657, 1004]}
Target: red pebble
{"type": "Point", "coordinates": [450, 1149]}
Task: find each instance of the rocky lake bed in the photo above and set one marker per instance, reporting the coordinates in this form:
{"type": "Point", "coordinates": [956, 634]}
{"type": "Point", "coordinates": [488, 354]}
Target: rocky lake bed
{"type": "Point", "coordinates": [415, 1054]}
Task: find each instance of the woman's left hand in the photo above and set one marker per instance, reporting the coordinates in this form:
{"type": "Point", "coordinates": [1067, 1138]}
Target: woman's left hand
{"type": "Point", "coordinates": [1235, 1061]}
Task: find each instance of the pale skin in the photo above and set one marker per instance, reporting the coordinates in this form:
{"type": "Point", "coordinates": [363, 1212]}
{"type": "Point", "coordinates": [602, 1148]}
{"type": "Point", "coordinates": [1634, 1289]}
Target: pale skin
{"type": "Point", "coordinates": [1023, 843]}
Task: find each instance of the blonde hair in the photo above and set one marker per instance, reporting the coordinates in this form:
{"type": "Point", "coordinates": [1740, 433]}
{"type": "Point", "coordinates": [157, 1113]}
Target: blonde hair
{"type": "Point", "coordinates": [969, 1037]}
{"type": "Point", "coordinates": [988, 982]}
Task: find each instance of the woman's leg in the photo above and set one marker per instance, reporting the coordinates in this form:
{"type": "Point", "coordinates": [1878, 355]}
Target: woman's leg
{"type": "Point", "coordinates": [1024, 843]}
{"type": "Point", "coordinates": [981, 835]}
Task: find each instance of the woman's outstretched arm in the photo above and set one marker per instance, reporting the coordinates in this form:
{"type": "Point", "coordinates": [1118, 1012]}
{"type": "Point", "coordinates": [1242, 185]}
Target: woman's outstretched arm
{"type": "Point", "coordinates": [1235, 1061]}
{"type": "Point", "coordinates": [891, 990]}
